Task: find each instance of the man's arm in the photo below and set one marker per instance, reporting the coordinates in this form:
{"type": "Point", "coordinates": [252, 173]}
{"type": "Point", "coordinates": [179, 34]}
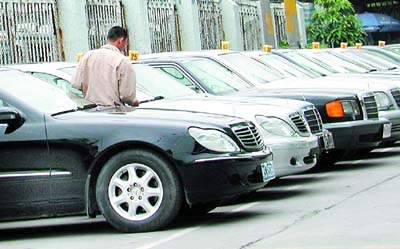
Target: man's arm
{"type": "Point", "coordinates": [127, 84]}
{"type": "Point", "coordinates": [78, 79]}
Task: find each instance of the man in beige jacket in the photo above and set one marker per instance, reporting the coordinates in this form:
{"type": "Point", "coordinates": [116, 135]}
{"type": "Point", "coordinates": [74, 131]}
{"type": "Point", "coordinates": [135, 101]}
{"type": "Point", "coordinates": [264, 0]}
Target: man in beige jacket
{"type": "Point", "coordinates": [105, 75]}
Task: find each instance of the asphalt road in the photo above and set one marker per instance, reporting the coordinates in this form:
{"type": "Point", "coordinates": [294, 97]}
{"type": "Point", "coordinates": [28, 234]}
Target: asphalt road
{"type": "Point", "coordinates": [355, 204]}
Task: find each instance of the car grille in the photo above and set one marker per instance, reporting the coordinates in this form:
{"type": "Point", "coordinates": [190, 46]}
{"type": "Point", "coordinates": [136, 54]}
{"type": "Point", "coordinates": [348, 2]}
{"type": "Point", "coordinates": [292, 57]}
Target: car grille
{"type": "Point", "coordinates": [299, 122]}
{"type": "Point", "coordinates": [371, 107]}
{"type": "Point", "coordinates": [314, 120]}
{"type": "Point", "coordinates": [249, 136]}
{"type": "Point", "coordinates": [396, 96]}
{"type": "Point", "coordinates": [395, 128]}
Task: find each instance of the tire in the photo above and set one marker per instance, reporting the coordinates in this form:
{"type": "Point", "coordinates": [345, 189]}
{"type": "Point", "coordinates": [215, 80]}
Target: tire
{"type": "Point", "coordinates": [117, 193]}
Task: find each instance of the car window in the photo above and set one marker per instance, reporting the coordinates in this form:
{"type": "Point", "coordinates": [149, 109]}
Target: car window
{"type": "Point", "coordinates": [252, 68]}
{"type": "Point", "coordinates": [214, 76]}
{"type": "Point", "coordinates": [36, 93]}
{"type": "Point", "coordinates": [177, 75]}
{"type": "Point", "coordinates": [338, 64]}
{"type": "Point", "coordinates": [285, 67]}
{"type": "Point", "coordinates": [64, 85]}
{"type": "Point", "coordinates": [311, 64]}
{"type": "Point", "coordinates": [44, 76]}
{"type": "Point", "coordinates": [155, 83]}
{"type": "Point", "coordinates": [68, 70]}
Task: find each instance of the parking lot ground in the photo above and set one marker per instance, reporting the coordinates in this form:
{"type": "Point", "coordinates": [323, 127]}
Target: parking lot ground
{"type": "Point", "coordinates": [354, 204]}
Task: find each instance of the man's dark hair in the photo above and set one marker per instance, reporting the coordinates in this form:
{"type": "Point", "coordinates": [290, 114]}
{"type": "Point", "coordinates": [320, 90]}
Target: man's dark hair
{"type": "Point", "coordinates": [117, 32]}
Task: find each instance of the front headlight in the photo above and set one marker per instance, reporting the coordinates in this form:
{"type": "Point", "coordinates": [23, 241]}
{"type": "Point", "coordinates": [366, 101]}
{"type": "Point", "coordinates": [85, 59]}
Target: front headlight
{"type": "Point", "coordinates": [276, 127]}
{"type": "Point", "coordinates": [382, 101]}
{"type": "Point", "coordinates": [214, 140]}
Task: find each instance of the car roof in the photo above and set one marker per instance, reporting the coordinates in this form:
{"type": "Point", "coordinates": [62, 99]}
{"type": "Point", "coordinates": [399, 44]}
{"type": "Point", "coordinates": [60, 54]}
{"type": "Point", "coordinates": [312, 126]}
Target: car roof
{"type": "Point", "coordinates": [41, 66]}
{"type": "Point", "coordinates": [187, 53]}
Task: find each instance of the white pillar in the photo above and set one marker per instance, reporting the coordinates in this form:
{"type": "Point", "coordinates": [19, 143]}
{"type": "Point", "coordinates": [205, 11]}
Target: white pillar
{"type": "Point", "coordinates": [231, 24]}
{"type": "Point", "coordinates": [137, 23]}
{"type": "Point", "coordinates": [188, 12]}
{"type": "Point", "coordinates": [74, 28]}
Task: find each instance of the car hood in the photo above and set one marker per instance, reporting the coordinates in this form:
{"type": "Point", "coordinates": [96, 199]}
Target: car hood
{"type": "Point", "coordinates": [247, 110]}
{"type": "Point", "coordinates": [264, 96]}
{"type": "Point", "coordinates": [125, 115]}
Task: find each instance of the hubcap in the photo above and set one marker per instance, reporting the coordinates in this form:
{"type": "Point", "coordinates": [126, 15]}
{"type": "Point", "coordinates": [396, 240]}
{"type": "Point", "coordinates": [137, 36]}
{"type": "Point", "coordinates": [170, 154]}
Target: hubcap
{"type": "Point", "coordinates": [135, 192]}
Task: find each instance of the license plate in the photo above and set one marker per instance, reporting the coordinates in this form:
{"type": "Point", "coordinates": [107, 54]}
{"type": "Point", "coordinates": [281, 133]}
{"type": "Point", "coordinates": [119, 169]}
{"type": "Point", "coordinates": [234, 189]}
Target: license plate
{"type": "Point", "coordinates": [268, 171]}
{"type": "Point", "coordinates": [328, 141]}
{"type": "Point", "coordinates": [387, 130]}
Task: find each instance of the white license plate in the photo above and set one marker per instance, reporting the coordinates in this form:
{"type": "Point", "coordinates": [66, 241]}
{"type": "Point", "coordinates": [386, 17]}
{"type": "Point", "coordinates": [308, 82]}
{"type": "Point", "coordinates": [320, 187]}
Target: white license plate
{"type": "Point", "coordinates": [268, 171]}
{"type": "Point", "coordinates": [328, 141]}
{"type": "Point", "coordinates": [387, 130]}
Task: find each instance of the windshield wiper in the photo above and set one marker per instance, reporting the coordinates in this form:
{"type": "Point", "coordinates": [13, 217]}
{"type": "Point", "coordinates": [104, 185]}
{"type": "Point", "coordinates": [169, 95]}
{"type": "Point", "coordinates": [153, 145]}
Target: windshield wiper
{"type": "Point", "coordinates": [372, 70]}
{"type": "Point", "coordinates": [85, 107]}
{"type": "Point", "coordinates": [392, 68]}
{"type": "Point", "coordinates": [152, 100]}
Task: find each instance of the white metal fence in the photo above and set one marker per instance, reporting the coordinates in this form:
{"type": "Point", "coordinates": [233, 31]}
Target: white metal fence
{"type": "Point", "coordinates": [101, 16]}
{"type": "Point", "coordinates": [250, 24]}
{"type": "Point", "coordinates": [211, 29]}
{"type": "Point", "coordinates": [163, 25]}
{"type": "Point", "coordinates": [29, 31]}
{"type": "Point", "coordinates": [279, 19]}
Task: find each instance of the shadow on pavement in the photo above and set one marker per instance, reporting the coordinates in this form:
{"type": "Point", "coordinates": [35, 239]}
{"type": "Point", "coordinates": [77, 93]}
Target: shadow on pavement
{"type": "Point", "coordinates": [215, 218]}
{"type": "Point", "coordinates": [378, 154]}
{"type": "Point", "coordinates": [298, 179]}
{"type": "Point", "coordinates": [51, 231]}
{"type": "Point", "coordinates": [354, 167]}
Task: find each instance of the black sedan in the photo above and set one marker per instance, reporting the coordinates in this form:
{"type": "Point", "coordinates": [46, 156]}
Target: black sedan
{"type": "Point", "coordinates": [135, 167]}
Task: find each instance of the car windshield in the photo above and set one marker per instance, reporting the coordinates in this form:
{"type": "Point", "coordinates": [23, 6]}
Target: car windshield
{"type": "Point", "coordinates": [285, 67]}
{"type": "Point", "coordinates": [251, 68]}
{"type": "Point", "coordinates": [152, 83]}
{"type": "Point", "coordinates": [393, 49]}
{"type": "Point", "coordinates": [36, 93]}
{"type": "Point", "coordinates": [372, 61]}
{"type": "Point", "coordinates": [68, 70]}
{"type": "Point", "coordinates": [338, 64]}
{"type": "Point", "coordinates": [214, 76]}
{"type": "Point", "coordinates": [389, 58]}
{"type": "Point", "coordinates": [311, 64]}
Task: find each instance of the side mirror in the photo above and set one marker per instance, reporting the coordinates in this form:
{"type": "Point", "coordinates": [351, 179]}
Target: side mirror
{"type": "Point", "coordinates": [11, 118]}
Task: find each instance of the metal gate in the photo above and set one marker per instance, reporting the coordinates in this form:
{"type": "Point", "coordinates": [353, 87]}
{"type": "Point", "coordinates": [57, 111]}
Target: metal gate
{"type": "Point", "coordinates": [250, 24]}
{"type": "Point", "coordinates": [164, 25]}
{"type": "Point", "coordinates": [101, 16]}
{"type": "Point", "coordinates": [211, 29]}
{"type": "Point", "coordinates": [29, 31]}
{"type": "Point", "coordinates": [278, 12]}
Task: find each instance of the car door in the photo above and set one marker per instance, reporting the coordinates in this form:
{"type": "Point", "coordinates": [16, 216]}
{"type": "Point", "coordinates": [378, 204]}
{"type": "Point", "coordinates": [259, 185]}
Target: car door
{"type": "Point", "coordinates": [24, 169]}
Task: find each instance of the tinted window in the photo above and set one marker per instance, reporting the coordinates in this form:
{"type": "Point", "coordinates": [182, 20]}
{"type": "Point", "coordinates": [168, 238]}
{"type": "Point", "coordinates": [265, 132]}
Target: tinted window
{"type": "Point", "coordinates": [214, 76]}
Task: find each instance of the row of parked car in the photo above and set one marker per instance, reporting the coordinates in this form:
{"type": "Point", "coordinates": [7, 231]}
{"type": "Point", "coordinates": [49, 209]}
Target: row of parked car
{"type": "Point", "coordinates": [212, 126]}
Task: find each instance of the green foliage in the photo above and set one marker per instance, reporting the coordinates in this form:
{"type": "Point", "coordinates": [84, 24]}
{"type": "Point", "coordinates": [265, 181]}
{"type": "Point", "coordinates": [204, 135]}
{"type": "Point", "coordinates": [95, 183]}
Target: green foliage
{"type": "Point", "coordinates": [335, 22]}
{"type": "Point", "coordinates": [283, 44]}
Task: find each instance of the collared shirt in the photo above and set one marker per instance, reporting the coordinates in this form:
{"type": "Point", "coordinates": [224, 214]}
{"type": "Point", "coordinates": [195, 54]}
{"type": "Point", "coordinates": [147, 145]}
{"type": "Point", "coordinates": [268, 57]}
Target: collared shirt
{"type": "Point", "coordinates": [106, 77]}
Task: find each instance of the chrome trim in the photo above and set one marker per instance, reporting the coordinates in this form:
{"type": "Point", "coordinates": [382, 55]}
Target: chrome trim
{"type": "Point", "coordinates": [264, 153]}
{"type": "Point", "coordinates": [60, 173]}
{"type": "Point", "coordinates": [32, 173]}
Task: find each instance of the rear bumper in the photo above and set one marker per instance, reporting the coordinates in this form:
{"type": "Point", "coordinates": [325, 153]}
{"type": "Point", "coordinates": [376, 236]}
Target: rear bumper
{"type": "Point", "coordinates": [223, 177]}
{"type": "Point", "coordinates": [355, 135]}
